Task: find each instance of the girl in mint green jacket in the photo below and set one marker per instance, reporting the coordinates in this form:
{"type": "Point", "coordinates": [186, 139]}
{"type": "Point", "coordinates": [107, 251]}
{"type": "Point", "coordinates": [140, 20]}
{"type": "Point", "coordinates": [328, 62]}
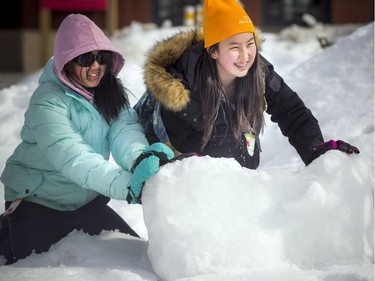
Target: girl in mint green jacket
{"type": "Point", "coordinates": [60, 172]}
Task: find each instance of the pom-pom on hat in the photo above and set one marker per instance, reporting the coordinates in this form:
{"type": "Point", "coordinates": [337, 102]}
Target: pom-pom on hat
{"type": "Point", "coordinates": [222, 19]}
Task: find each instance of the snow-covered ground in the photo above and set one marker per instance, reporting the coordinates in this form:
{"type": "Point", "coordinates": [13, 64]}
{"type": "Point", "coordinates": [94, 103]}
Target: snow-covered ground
{"type": "Point", "coordinates": [209, 219]}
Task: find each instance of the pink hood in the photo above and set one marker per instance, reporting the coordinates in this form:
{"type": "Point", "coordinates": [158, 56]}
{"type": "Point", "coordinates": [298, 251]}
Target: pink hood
{"type": "Point", "coordinates": [77, 35]}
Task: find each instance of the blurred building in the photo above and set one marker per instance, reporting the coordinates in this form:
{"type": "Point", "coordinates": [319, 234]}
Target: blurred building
{"type": "Point", "coordinates": [27, 26]}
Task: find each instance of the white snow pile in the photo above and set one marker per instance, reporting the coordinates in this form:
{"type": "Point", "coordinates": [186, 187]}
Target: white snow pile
{"type": "Point", "coordinates": [207, 216]}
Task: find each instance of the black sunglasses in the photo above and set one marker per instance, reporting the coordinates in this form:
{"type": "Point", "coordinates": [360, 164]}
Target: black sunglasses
{"type": "Point", "coordinates": [87, 59]}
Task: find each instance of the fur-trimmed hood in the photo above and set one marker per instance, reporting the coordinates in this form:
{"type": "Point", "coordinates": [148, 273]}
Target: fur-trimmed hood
{"type": "Point", "coordinates": [161, 84]}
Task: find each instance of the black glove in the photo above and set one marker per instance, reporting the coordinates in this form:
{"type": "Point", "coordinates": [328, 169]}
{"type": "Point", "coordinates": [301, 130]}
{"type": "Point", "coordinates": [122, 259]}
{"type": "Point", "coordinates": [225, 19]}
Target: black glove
{"type": "Point", "coordinates": [331, 145]}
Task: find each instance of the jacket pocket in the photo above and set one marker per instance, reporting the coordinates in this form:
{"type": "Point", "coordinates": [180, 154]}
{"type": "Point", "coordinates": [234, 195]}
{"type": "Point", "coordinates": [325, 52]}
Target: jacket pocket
{"type": "Point", "coordinates": [19, 181]}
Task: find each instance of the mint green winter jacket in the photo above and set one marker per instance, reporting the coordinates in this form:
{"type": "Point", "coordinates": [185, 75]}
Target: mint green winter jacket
{"type": "Point", "coordinates": [62, 161]}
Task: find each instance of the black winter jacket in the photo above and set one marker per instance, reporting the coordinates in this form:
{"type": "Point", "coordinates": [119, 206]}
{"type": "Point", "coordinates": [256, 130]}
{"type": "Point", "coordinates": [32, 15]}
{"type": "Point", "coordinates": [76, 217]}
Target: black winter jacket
{"type": "Point", "coordinates": [172, 73]}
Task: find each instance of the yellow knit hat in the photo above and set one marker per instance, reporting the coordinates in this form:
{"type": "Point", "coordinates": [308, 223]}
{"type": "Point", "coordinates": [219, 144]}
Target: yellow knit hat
{"type": "Point", "coordinates": [222, 19]}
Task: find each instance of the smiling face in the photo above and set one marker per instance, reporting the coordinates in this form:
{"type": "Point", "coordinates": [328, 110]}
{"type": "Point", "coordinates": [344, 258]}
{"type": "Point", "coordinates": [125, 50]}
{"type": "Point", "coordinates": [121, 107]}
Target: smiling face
{"type": "Point", "coordinates": [235, 56]}
{"type": "Point", "coordinates": [90, 76]}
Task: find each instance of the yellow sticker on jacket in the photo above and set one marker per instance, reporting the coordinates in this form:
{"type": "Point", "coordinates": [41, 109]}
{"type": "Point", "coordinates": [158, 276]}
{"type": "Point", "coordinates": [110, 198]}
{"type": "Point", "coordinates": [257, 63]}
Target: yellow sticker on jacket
{"type": "Point", "coordinates": [250, 143]}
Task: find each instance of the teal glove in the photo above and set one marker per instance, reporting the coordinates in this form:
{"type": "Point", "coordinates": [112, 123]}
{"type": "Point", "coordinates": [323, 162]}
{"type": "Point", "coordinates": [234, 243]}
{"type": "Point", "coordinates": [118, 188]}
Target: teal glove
{"type": "Point", "coordinates": [146, 165]}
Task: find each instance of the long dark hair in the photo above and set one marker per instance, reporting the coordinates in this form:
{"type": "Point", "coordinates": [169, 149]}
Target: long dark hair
{"type": "Point", "coordinates": [248, 99]}
{"type": "Point", "coordinates": [110, 95]}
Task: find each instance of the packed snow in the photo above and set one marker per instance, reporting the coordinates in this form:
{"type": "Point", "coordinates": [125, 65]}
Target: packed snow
{"type": "Point", "coordinates": [209, 219]}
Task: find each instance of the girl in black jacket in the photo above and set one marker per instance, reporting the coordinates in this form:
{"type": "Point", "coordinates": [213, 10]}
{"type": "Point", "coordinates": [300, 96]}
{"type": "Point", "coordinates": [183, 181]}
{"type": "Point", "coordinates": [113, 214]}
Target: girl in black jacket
{"type": "Point", "coordinates": [207, 92]}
